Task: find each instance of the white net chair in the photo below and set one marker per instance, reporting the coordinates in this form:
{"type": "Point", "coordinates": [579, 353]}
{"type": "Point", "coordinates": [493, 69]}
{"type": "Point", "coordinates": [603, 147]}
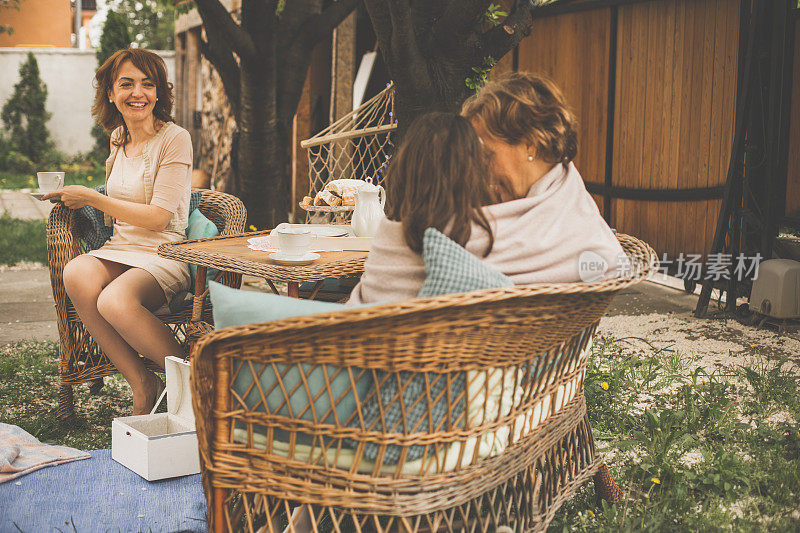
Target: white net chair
{"type": "Point", "coordinates": [356, 146]}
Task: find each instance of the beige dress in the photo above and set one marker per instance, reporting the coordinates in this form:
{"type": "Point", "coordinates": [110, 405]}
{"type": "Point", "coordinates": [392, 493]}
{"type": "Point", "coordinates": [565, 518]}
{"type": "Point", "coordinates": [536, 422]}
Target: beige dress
{"type": "Point", "coordinates": [136, 246]}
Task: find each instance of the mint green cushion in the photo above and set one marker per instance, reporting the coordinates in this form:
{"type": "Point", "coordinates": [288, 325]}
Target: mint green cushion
{"type": "Point", "coordinates": [233, 307]}
{"type": "Point", "coordinates": [452, 269]}
{"type": "Point", "coordinates": [201, 227]}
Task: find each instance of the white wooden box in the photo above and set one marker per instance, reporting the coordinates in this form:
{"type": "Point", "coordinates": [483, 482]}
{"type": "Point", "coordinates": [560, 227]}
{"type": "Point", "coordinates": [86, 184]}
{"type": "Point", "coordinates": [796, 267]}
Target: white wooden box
{"type": "Point", "coordinates": [163, 445]}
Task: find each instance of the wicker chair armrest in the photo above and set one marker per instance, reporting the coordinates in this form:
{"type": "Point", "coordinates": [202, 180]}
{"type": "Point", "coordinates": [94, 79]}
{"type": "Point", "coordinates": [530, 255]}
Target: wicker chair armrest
{"type": "Point", "coordinates": [229, 215]}
{"type": "Point", "coordinates": [63, 245]}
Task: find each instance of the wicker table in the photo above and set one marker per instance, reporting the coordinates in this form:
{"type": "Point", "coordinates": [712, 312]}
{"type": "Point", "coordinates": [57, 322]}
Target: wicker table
{"type": "Point", "coordinates": [231, 254]}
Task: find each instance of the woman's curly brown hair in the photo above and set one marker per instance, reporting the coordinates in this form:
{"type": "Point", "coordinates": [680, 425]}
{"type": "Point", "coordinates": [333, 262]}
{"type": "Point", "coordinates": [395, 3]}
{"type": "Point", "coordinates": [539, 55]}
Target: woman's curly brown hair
{"type": "Point", "coordinates": [530, 109]}
{"type": "Point", "coordinates": [106, 113]}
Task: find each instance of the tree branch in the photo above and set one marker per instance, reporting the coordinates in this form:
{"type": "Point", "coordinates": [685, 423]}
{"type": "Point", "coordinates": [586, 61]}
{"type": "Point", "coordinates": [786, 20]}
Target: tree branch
{"type": "Point", "coordinates": [460, 17]}
{"type": "Point", "coordinates": [258, 21]}
{"type": "Point", "coordinates": [404, 40]}
{"type": "Point", "coordinates": [295, 14]}
{"type": "Point", "coordinates": [221, 57]}
{"type": "Point", "coordinates": [214, 14]}
{"type": "Point", "coordinates": [381, 22]}
{"type": "Point", "coordinates": [294, 56]}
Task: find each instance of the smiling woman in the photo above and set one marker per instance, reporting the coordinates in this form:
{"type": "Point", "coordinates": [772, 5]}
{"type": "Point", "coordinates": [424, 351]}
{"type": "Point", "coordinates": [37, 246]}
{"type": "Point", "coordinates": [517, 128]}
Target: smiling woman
{"type": "Point", "coordinates": [116, 288]}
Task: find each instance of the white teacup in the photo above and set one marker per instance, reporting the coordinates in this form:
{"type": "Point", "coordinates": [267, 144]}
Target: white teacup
{"type": "Point", "coordinates": [50, 181]}
{"type": "Point", "coordinates": [293, 242]}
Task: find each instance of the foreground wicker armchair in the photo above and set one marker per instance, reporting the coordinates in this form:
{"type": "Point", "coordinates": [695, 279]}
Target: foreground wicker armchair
{"type": "Point", "coordinates": [285, 411]}
{"type": "Point", "coordinates": [80, 358]}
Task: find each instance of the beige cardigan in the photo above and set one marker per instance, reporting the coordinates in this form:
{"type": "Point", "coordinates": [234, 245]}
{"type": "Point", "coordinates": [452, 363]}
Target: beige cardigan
{"type": "Point", "coordinates": [168, 145]}
{"type": "Point", "coordinates": [537, 239]}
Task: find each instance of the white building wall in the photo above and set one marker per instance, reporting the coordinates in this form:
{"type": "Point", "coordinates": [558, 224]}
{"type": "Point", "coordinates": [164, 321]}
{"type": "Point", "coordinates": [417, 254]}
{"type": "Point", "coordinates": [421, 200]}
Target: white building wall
{"type": "Point", "coordinates": [68, 74]}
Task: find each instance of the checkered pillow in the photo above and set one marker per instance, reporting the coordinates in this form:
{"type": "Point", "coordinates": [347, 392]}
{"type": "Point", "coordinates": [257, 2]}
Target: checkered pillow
{"type": "Point", "coordinates": [452, 269]}
{"type": "Point", "coordinates": [415, 389]}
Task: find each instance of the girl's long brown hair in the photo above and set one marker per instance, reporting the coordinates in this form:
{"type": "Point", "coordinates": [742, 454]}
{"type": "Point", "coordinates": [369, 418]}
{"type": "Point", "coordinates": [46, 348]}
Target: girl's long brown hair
{"type": "Point", "coordinates": [439, 178]}
{"type": "Point", "coordinates": [106, 113]}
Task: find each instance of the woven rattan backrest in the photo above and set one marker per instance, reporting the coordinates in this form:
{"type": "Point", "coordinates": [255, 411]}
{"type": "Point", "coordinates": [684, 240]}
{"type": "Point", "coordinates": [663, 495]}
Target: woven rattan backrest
{"type": "Point", "coordinates": [379, 395]}
{"type": "Point", "coordinates": [227, 212]}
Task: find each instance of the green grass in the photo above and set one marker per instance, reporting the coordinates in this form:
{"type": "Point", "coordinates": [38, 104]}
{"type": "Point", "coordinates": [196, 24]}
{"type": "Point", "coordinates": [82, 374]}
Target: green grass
{"type": "Point", "coordinates": [90, 177]}
{"type": "Point", "coordinates": [693, 450]}
{"type": "Point", "coordinates": [29, 399]}
{"type": "Point", "coordinates": [22, 240]}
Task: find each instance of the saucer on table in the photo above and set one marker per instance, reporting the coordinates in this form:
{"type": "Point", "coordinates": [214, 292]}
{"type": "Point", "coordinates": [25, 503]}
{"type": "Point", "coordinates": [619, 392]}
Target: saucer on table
{"type": "Point", "coordinates": [285, 259]}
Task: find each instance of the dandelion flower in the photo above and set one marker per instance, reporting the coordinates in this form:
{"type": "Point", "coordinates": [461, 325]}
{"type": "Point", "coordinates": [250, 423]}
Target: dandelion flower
{"type": "Point", "coordinates": [88, 178]}
{"type": "Point", "coordinates": [754, 345]}
{"type": "Point", "coordinates": [253, 228]}
{"type": "Point", "coordinates": [4, 180]}
{"type": "Point", "coordinates": [604, 385]}
{"type": "Point", "coordinates": [655, 481]}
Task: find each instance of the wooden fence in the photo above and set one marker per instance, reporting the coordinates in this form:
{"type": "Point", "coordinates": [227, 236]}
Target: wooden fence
{"type": "Point", "coordinates": [793, 177]}
{"type": "Point", "coordinates": [654, 86]}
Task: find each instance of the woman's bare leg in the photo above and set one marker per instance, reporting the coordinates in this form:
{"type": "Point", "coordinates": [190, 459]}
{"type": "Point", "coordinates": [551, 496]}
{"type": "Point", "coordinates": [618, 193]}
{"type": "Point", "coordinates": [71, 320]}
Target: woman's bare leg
{"type": "Point", "coordinates": [126, 304]}
{"type": "Point", "coordinates": [85, 277]}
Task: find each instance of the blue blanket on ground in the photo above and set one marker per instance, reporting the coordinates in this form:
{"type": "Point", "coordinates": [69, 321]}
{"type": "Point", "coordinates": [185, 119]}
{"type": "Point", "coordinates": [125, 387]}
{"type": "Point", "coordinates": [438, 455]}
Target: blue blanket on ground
{"type": "Point", "coordinates": [99, 495]}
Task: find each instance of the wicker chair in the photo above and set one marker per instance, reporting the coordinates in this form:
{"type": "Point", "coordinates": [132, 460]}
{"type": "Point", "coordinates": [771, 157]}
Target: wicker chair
{"type": "Point", "coordinates": [80, 358]}
{"type": "Point", "coordinates": [511, 445]}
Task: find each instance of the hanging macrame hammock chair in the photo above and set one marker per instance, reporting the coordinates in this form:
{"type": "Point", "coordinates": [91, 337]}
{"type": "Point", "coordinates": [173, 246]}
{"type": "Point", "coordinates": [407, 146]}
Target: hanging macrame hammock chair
{"type": "Point", "coordinates": [357, 146]}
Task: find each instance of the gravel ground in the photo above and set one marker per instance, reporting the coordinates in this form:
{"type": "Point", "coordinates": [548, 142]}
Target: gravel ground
{"type": "Point", "coordinates": [656, 317]}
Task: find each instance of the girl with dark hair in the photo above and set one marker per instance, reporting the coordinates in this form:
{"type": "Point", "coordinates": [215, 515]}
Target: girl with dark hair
{"type": "Point", "coordinates": [116, 288]}
{"type": "Point", "coordinates": [437, 179]}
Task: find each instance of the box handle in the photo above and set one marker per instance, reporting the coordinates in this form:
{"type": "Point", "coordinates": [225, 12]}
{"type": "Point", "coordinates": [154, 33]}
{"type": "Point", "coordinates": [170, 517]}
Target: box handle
{"type": "Point", "coordinates": [158, 402]}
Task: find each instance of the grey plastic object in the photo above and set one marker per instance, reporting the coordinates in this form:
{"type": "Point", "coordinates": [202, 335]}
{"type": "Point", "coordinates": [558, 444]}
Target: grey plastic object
{"type": "Point", "coordinates": [776, 290]}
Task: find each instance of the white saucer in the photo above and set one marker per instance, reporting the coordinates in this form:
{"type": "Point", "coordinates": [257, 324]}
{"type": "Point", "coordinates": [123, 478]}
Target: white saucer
{"type": "Point", "coordinates": [328, 231]}
{"type": "Point", "coordinates": [283, 259]}
{"type": "Point", "coordinates": [38, 194]}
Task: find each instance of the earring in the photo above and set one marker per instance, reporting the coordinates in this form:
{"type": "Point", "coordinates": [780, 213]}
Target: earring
{"type": "Point", "coordinates": [530, 158]}
{"type": "Point", "coordinates": [110, 101]}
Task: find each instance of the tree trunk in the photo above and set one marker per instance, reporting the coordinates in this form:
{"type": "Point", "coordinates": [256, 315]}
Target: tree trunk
{"type": "Point", "coordinates": [263, 153]}
{"type": "Point", "coordinates": [425, 94]}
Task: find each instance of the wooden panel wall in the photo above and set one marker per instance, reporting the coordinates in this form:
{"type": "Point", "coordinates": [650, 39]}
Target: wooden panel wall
{"type": "Point", "coordinates": [573, 50]}
{"type": "Point", "coordinates": [793, 178]}
{"type": "Point", "coordinates": [674, 115]}
{"type": "Point", "coordinates": [674, 106]}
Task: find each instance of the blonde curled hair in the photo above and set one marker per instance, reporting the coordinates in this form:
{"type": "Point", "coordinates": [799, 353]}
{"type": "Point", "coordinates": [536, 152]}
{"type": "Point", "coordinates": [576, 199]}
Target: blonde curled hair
{"type": "Point", "coordinates": [524, 108]}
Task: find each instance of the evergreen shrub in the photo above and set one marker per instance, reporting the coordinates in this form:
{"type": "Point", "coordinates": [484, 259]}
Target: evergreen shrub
{"type": "Point", "coordinates": [24, 114]}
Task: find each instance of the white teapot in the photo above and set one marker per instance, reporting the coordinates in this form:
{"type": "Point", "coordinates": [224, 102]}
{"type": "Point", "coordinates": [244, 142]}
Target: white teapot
{"type": "Point", "coordinates": [369, 209]}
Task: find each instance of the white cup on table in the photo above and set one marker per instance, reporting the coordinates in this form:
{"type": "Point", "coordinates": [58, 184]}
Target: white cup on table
{"type": "Point", "coordinates": [50, 181]}
{"type": "Point", "coordinates": [293, 242]}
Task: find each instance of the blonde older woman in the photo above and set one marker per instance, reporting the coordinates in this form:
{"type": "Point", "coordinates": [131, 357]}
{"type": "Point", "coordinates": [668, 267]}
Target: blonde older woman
{"type": "Point", "coordinates": [116, 288]}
